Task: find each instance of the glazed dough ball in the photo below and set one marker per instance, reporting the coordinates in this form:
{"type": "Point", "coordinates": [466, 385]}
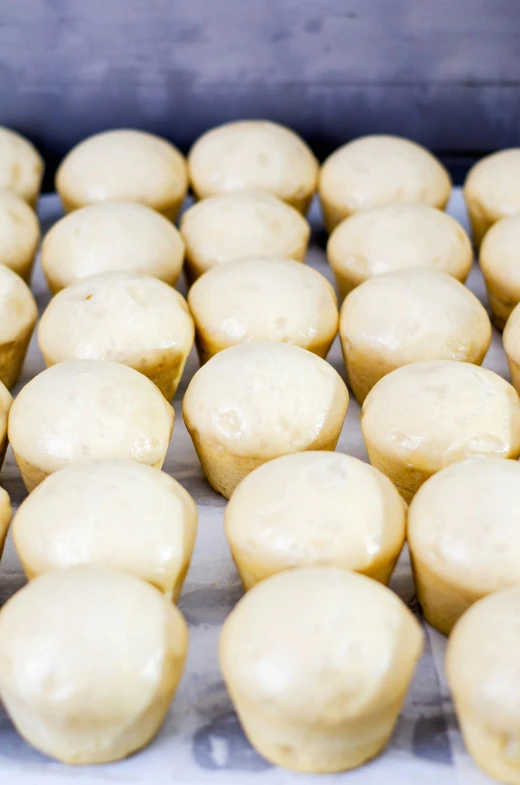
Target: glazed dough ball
{"type": "Point", "coordinates": [21, 166]}
{"type": "Point", "coordinates": [317, 661]}
{"type": "Point", "coordinates": [263, 300]}
{"type": "Point", "coordinates": [492, 190]}
{"type": "Point", "coordinates": [87, 409]}
{"type": "Point", "coordinates": [114, 513]}
{"type": "Point", "coordinates": [239, 224]}
{"type": "Point", "coordinates": [124, 317]}
{"type": "Point", "coordinates": [5, 406]}
{"type": "Point", "coordinates": [500, 265]}
{"type": "Point", "coordinates": [254, 154]}
{"type": "Point", "coordinates": [18, 314]}
{"type": "Point", "coordinates": [464, 536]}
{"type": "Point", "coordinates": [113, 236]}
{"type": "Point", "coordinates": [397, 237]}
{"type": "Point", "coordinates": [314, 508]}
{"type": "Point", "coordinates": [378, 170]}
{"type": "Point", "coordinates": [91, 659]}
{"type": "Point", "coordinates": [19, 233]}
{"type": "Point", "coordinates": [5, 518]}
{"type": "Point", "coordinates": [258, 401]}
{"type": "Point", "coordinates": [407, 316]}
{"type": "Point", "coordinates": [424, 416]}
{"type": "Point", "coordinates": [482, 670]}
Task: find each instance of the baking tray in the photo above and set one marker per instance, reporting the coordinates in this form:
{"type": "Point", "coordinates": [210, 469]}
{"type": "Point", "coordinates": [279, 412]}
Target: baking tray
{"type": "Point", "coordinates": [201, 740]}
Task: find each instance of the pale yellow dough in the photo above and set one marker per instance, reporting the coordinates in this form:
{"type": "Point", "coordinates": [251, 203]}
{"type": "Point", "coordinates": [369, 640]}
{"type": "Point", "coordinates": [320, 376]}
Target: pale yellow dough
{"type": "Point", "coordinates": [114, 513]}
{"type": "Point", "coordinates": [6, 401]}
{"type": "Point", "coordinates": [258, 401]}
{"type": "Point", "coordinates": [124, 165]}
{"type": "Point", "coordinates": [378, 170]}
{"type": "Point", "coordinates": [112, 236]}
{"type": "Point", "coordinates": [238, 225]}
{"type": "Point", "coordinates": [18, 314]}
{"type": "Point", "coordinates": [427, 415]}
{"type": "Point", "coordinates": [408, 316]}
{"type": "Point", "coordinates": [91, 659]}
{"type": "Point", "coordinates": [397, 237]}
{"type": "Point", "coordinates": [492, 190]}
{"type": "Point", "coordinates": [254, 154]}
{"type": "Point", "coordinates": [127, 318]}
{"type": "Point", "coordinates": [21, 166]}
{"type": "Point", "coordinates": [5, 518]}
{"type": "Point", "coordinates": [512, 346]}
{"type": "Point", "coordinates": [464, 536]}
{"type": "Point", "coordinates": [499, 260]}
{"type": "Point", "coordinates": [315, 508]}
{"type": "Point", "coordinates": [483, 672]}
{"type": "Point", "coordinates": [87, 409]}
{"type": "Point", "coordinates": [19, 234]}
{"type": "Point", "coordinates": [261, 299]}
{"type": "Point", "coordinates": [318, 661]}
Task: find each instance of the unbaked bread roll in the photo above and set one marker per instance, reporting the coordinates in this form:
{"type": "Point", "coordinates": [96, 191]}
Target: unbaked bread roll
{"type": "Point", "coordinates": [5, 518]}
{"type": "Point", "coordinates": [240, 224]}
{"type": "Point", "coordinates": [5, 406]}
{"type": "Point", "coordinates": [464, 536]}
{"type": "Point", "coordinates": [258, 401]}
{"type": "Point", "coordinates": [124, 317]}
{"type": "Point", "coordinates": [116, 236]}
{"type": "Point", "coordinates": [377, 170]}
{"type": "Point", "coordinates": [114, 513]}
{"type": "Point", "coordinates": [124, 165]}
{"type": "Point", "coordinates": [254, 154]}
{"type": "Point", "coordinates": [492, 190]}
{"type": "Point", "coordinates": [408, 316]}
{"type": "Point", "coordinates": [91, 659]}
{"type": "Point", "coordinates": [19, 234]}
{"type": "Point", "coordinates": [318, 661]}
{"type": "Point", "coordinates": [482, 670]}
{"type": "Point", "coordinates": [424, 416]}
{"type": "Point", "coordinates": [21, 166]}
{"type": "Point", "coordinates": [87, 409]}
{"type": "Point", "coordinates": [262, 299]}
{"type": "Point", "coordinates": [397, 237]}
{"type": "Point", "coordinates": [18, 314]}
{"type": "Point", "coordinates": [499, 263]}
{"type": "Point", "coordinates": [314, 508]}
{"type": "Point", "coordinates": [512, 346]}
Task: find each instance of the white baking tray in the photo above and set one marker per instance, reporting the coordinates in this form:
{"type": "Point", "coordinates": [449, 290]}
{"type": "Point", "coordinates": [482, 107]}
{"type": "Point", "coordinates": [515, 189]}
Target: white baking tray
{"type": "Point", "coordinates": [201, 740]}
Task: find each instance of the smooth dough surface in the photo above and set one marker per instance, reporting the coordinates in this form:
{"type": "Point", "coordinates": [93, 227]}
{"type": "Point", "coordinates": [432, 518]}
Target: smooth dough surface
{"type": "Point", "coordinates": [317, 661]}
{"type": "Point", "coordinates": [18, 314]}
{"type": "Point", "coordinates": [21, 166]}
{"type": "Point", "coordinates": [19, 234]}
{"type": "Point", "coordinates": [315, 508]}
{"type": "Point", "coordinates": [117, 236]}
{"type": "Point", "coordinates": [408, 316]}
{"type": "Point", "coordinates": [90, 660]}
{"type": "Point", "coordinates": [378, 170]}
{"type": "Point", "coordinates": [254, 154]}
{"type": "Point", "coordinates": [261, 299]}
{"type": "Point", "coordinates": [499, 260]}
{"type": "Point", "coordinates": [114, 513]}
{"type": "Point", "coordinates": [492, 190]}
{"type": "Point", "coordinates": [512, 346]}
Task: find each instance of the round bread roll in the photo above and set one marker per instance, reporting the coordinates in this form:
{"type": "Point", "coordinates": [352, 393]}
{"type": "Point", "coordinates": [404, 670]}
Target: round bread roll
{"type": "Point", "coordinates": [263, 300]}
{"type": "Point", "coordinates": [240, 224]}
{"type": "Point", "coordinates": [87, 409]}
{"type": "Point", "coordinates": [18, 314]}
{"type": "Point", "coordinates": [258, 401]}
{"type": "Point", "coordinates": [254, 154]}
{"type": "Point", "coordinates": [19, 234]}
{"type": "Point", "coordinates": [464, 536]}
{"type": "Point", "coordinates": [124, 165]}
{"type": "Point", "coordinates": [5, 518]}
{"type": "Point", "coordinates": [424, 416]}
{"type": "Point", "coordinates": [6, 401]}
{"type": "Point", "coordinates": [21, 166]}
{"type": "Point", "coordinates": [482, 671]}
{"type": "Point", "coordinates": [91, 659]}
{"type": "Point", "coordinates": [378, 170]}
{"type": "Point", "coordinates": [407, 316]}
{"type": "Point", "coordinates": [113, 236]}
{"type": "Point", "coordinates": [492, 190]}
{"type": "Point", "coordinates": [499, 262]}
{"type": "Point", "coordinates": [124, 317]}
{"type": "Point", "coordinates": [314, 508]}
{"type": "Point", "coordinates": [114, 513]}
{"type": "Point", "coordinates": [512, 346]}
{"type": "Point", "coordinates": [317, 661]}
{"type": "Point", "coordinates": [397, 237]}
